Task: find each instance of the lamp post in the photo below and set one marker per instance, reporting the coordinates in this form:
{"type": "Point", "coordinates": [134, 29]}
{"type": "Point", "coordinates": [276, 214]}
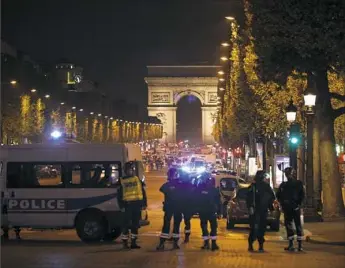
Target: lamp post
{"type": "Point", "coordinates": [291, 112]}
{"type": "Point", "coordinates": [309, 102]}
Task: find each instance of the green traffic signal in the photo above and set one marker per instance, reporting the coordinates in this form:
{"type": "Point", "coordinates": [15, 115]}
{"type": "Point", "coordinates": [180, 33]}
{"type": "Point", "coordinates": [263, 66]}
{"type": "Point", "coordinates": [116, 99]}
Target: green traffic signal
{"type": "Point", "coordinates": [294, 140]}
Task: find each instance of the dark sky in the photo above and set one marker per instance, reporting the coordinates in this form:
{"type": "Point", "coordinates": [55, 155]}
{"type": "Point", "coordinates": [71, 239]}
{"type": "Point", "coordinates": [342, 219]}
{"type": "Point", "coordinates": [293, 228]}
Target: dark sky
{"type": "Point", "coordinates": [114, 40]}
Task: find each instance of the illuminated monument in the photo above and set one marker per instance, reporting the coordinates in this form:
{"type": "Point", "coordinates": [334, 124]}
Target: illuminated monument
{"type": "Point", "coordinates": [168, 84]}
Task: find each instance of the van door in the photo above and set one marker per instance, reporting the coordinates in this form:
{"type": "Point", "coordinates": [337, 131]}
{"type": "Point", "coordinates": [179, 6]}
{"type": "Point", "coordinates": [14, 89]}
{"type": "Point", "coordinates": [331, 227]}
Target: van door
{"type": "Point", "coordinates": [36, 196]}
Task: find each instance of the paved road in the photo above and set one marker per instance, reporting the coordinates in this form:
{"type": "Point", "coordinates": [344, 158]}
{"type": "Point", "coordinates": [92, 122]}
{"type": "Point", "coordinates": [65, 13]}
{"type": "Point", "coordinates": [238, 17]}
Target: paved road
{"type": "Point", "coordinates": [53, 249]}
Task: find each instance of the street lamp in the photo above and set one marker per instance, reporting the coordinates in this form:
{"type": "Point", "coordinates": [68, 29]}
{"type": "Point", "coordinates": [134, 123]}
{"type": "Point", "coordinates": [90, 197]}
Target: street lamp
{"type": "Point", "coordinates": [230, 18]}
{"type": "Point", "coordinates": [221, 89]}
{"type": "Point", "coordinates": [291, 111]}
{"type": "Point", "coordinates": [47, 96]}
{"type": "Point", "coordinates": [225, 44]}
{"type": "Point", "coordinates": [224, 58]}
{"type": "Point", "coordinates": [13, 82]}
{"type": "Point", "coordinates": [220, 72]}
{"type": "Point", "coordinates": [309, 100]}
{"type": "Point", "coordinates": [33, 90]}
{"type": "Point", "coordinates": [221, 79]}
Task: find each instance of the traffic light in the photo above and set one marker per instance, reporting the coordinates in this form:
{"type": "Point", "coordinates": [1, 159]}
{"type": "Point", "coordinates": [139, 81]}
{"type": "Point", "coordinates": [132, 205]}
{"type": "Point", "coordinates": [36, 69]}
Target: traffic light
{"type": "Point", "coordinates": [295, 135]}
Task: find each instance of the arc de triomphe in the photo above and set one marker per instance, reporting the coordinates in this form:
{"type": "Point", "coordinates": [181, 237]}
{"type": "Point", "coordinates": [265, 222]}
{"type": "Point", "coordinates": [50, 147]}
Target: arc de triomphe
{"type": "Point", "coordinates": [168, 84]}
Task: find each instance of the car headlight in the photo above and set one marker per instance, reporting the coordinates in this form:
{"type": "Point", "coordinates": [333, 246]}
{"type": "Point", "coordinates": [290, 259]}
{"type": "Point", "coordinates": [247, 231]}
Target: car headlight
{"type": "Point", "coordinates": [186, 169]}
{"type": "Point", "coordinates": [200, 169]}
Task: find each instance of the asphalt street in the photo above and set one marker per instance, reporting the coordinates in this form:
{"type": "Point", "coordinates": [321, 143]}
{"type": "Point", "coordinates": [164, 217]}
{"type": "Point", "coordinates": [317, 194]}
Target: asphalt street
{"type": "Point", "coordinates": [48, 249]}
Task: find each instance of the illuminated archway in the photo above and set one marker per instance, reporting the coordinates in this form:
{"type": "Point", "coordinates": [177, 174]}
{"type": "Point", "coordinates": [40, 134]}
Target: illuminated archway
{"type": "Point", "coordinates": [169, 84]}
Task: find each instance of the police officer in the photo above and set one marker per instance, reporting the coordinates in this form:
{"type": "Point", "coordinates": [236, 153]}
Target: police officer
{"type": "Point", "coordinates": [208, 206]}
{"type": "Point", "coordinates": [187, 198]}
{"type": "Point", "coordinates": [131, 198]}
{"type": "Point", "coordinates": [260, 198]}
{"type": "Point", "coordinates": [171, 208]}
{"type": "Point", "coordinates": [290, 196]}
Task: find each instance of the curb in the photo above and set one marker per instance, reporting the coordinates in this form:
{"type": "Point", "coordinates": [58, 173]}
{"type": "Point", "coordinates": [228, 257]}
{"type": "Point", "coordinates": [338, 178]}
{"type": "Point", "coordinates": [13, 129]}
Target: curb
{"type": "Point", "coordinates": [320, 240]}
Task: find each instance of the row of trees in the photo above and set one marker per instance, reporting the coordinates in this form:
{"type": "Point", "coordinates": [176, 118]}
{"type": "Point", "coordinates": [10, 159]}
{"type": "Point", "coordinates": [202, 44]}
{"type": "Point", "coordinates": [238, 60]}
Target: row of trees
{"type": "Point", "coordinates": [34, 121]}
{"type": "Point", "coordinates": [274, 57]}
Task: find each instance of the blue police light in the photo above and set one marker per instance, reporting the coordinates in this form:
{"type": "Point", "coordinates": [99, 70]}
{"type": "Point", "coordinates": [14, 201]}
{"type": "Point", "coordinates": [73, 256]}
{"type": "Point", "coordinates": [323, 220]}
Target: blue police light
{"type": "Point", "coordinates": [186, 169]}
{"type": "Point", "coordinates": [294, 140]}
{"type": "Point", "coordinates": [56, 134]}
{"type": "Point", "coordinates": [201, 169]}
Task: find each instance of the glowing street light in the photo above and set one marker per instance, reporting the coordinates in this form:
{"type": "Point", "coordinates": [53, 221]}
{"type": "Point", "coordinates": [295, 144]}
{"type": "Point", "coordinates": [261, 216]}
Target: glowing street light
{"type": "Point", "coordinates": [62, 103]}
{"type": "Point", "coordinates": [47, 96]}
{"type": "Point", "coordinates": [13, 82]}
{"type": "Point", "coordinates": [291, 112]}
{"type": "Point", "coordinates": [91, 113]}
{"type": "Point", "coordinates": [99, 114]}
{"type": "Point", "coordinates": [33, 90]}
{"type": "Point", "coordinates": [220, 72]}
{"type": "Point", "coordinates": [221, 79]}
{"type": "Point", "coordinates": [224, 58]}
{"type": "Point", "coordinates": [80, 110]}
{"type": "Point", "coordinates": [73, 108]}
{"type": "Point", "coordinates": [221, 89]}
{"type": "Point", "coordinates": [225, 44]}
{"type": "Point", "coordinates": [230, 18]}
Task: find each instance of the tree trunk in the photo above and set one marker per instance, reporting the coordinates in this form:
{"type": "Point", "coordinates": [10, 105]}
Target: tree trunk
{"type": "Point", "coordinates": [316, 165]}
{"type": "Point", "coordinates": [333, 206]}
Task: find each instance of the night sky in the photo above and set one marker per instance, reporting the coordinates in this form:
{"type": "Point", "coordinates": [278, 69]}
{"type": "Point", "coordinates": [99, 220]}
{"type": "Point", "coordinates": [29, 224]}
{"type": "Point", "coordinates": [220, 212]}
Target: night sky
{"type": "Point", "coordinates": [114, 40]}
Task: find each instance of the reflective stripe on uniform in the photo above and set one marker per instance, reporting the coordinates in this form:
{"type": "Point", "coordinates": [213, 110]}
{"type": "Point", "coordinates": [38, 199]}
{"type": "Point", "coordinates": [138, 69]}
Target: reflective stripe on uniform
{"type": "Point", "coordinates": [299, 238]}
{"type": "Point", "coordinates": [187, 231]}
{"type": "Point", "coordinates": [176, 235]}
{"type": "Point", "coordinates": [213, 237]}
{"type": "Point", "coordinates": [124, 237]}
{"type": "Point", "coordinates": [290, 237]}
{"type": "Point", "coordinates": [205, 238]}
{"type": "Point", "coordinates": [134, 235]}
{"type": "Point", "coordinates": [165, 235]}
{"type": "Point", "coordinates": [132, 189]}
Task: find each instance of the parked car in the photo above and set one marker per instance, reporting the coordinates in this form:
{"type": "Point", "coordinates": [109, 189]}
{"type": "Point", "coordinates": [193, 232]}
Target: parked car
{"type": "Point", "coordinates": [237, 212]}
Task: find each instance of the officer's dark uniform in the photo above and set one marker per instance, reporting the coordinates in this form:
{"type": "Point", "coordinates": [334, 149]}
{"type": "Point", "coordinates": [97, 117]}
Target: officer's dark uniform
{"type": "Point", "coordinates": [187, 195]}
{"type": "Point", "coordinates": [208, 206]}
{"type": "Point", "coordinates": [131, 198]}
{"type": "Point", "coordinates": [259, 199]}
{"type": "Point", "coordinates": [172, 209]}
{"type": "Point", "coordinates": [290, 196]}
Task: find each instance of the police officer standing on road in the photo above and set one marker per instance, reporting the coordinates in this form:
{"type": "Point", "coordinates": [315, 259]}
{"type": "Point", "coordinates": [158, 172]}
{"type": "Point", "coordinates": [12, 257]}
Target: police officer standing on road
{"type": "Point", "coordinates": [172, 209]}
{"type": "Point", "coordinates": [260, 198]}
{"type": "Point", "coordinates": [208, 206]}
{"type": "Point", "coordinates": [187, 194]}
{"type": "Point", "coordinates": [131, 198]}
{"type": "Point", "coordinates": [290, 196]}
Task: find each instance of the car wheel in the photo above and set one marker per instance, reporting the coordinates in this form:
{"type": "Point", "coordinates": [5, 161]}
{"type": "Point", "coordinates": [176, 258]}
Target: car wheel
{"type": "Point", "coordinates": [230, 224]}
{"type": "Point", "coordinates": [91, 227]}
{"type": "Point", "coordinates": [275, 226]}
{"type": "Point", "coordinates": [115, 233]}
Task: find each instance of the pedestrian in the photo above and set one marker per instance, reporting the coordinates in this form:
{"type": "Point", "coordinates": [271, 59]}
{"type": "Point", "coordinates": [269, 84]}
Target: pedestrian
{"type": "Point", "coordinates": [131, 199]}
{"type": "Point", "coordinates": [171, 208]}
{"type": "Point", "coordinates": [260, 198]}
{"type": "Point", "coordinates": [208, 207]}
{"type": "Point", "coordinates": [290, 196]}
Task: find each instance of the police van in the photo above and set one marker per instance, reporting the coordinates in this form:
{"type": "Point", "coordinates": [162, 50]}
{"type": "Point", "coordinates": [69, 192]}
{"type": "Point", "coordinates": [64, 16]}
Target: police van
{"type": "Point", "coordinates": [56, 186]}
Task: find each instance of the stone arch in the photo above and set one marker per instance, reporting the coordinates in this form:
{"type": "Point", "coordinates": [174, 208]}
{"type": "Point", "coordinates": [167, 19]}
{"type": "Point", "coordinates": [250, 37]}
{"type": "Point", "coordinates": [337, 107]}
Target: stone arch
{"type": "Point", "coordinates": [178, 96]}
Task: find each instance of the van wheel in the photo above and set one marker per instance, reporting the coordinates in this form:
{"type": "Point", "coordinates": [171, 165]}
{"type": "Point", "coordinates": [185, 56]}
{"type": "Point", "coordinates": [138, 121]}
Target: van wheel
{"type": "Point", "coordinates": [115, 233]}
{"type": "Point", "coordinates": [230, 224]}
{"type": "Point", "coordinates": [91, 227]}
{"type": "Point", "coordinates": [275, 226]}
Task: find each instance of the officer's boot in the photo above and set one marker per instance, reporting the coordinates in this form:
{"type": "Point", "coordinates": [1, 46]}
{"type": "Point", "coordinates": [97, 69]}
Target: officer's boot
{"type": "Point", "coordinates": [186, 238]}
{"type": "Point", "coordinates": [175, 244]}
{"type": "Point", "coordinates": [300, 248]}
{"type": "Point", "coordinates": [250, 245]}
{"type": "Point", "coordinates": [206, 245]}
{"type": "Point", "coordinates": [161, 244]}
{"type": "Point", "coordinates": [214, 245]}
{"type": "Point", "coordinates": [125, 244]}
{"type": "Point", "coordinates": [290, 246]}
{"type": "Point", "coordinates": [261, 246]}
{"type": "Point", "coordinates": [134, 244]}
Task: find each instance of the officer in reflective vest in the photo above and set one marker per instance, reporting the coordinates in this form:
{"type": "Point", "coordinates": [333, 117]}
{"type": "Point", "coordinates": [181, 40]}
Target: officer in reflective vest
{"type": "Point", "coordinates": [132, 199]}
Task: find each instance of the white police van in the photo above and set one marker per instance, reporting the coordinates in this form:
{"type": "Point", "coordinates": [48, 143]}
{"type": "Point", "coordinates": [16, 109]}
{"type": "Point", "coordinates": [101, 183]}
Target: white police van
{"type": "Point", "coordinates": [56, 186]}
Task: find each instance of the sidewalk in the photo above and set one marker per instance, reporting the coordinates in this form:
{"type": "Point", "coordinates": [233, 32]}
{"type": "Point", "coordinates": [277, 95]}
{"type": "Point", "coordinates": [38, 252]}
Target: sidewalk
{"type": "Point", "coordinates": [332, 233]}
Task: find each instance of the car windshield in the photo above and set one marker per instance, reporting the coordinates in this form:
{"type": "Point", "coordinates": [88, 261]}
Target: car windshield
{"type": "Point", "coordinates": [228, 184]}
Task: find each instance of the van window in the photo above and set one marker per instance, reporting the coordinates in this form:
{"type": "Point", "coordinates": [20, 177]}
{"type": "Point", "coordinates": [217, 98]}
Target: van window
{"type": "Point", "coordinates": [32, 175]}
{"type": "Point", "coordinates": [94, 175]}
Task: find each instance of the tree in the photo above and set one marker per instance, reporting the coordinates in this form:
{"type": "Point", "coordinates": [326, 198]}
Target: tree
{"type": "Point", "coordinates": [306, 36]}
